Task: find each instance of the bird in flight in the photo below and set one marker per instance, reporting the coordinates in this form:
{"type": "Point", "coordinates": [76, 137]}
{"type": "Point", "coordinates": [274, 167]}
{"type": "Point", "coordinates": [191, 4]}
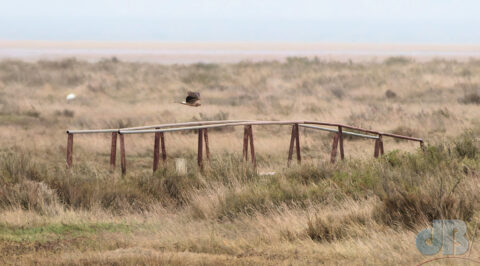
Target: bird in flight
{"type": "Point", "coordinates": [193, 99]}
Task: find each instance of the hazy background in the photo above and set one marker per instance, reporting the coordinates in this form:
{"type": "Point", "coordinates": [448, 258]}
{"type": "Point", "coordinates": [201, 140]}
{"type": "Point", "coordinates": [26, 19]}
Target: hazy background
{"type": "Point", "coordinates": [350, 21]}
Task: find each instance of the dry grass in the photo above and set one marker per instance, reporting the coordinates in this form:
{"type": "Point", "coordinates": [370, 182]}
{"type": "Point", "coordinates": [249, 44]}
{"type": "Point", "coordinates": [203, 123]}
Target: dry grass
{"type": "Point", "coordinates": [361, 211]}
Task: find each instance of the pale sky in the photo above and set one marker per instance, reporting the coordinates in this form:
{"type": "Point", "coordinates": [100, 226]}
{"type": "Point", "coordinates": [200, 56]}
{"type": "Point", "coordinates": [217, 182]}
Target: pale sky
{"type": "Point", "coordinates": [391, 21]}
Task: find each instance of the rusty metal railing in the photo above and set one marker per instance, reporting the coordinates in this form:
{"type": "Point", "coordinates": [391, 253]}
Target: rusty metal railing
{"type": "Point", "coordinates": [195, 123]}
{"type": "Point", "coordinates": [202, 128]}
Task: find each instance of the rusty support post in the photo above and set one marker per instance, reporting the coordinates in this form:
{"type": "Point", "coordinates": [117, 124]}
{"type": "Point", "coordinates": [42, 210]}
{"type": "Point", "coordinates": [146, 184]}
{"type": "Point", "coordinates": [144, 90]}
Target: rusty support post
{"type": "Point", "coordinates": [340, 139]}
{"type": "Point", "coordinates": [164, 152]}
{"type": "Point", "coordinates": [200, 149]}
{"type": "Point", "coordinates": [207, 149]}
{"type": "Point", "coordinates": [292, 143]}
{"type": "Point", "coordinates": [69, 150]}
{"type": "Point", "coordinates": [380, 143]}
{"type": "Point", "coordinates": [334, 148]}
{"type": "Point", "coordinates": [156, 151]}
{"type": "Point", "coordinates": [252, 146]}
{"type": "Point", "coordinates": [377, 149]}
{"type": "Point", "coordinates": [422, 146]}
{"type": "Point", "coordinates": [113, 151]}
{"type": "Point", "coordinates": [123, 162]}
{"type": "Point", "coordinates": [245, 143]}
{"type": "Point", "coordinates": [297, 140]}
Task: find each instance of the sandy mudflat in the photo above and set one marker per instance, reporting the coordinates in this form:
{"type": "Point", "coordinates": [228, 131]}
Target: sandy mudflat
{"type": "Point", "coordinates": [169, 52]}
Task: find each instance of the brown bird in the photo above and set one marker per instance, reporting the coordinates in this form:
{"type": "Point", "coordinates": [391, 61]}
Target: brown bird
{"type": "Point", "coordinates": [193, 99]}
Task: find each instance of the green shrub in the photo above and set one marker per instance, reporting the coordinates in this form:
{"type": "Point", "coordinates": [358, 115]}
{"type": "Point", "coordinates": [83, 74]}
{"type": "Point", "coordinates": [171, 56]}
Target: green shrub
{"type": "Point", "coordinates": [397, 60]}
{"type": "Point", "coordinates": [420, 187]}
{"type": "Point", "coordinates": [467, 146]}
{"type": "Point", "coordinates": [410, 209]}
{"type": "Point", "coordinates": [22, 186]}
{"type": "Point", "coordinates": [308, 173]}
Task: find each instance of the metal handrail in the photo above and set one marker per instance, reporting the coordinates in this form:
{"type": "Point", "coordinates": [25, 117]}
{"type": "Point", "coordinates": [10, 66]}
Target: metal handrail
{"type": "Point", "coordinates": [366, 130]}
{"type": "Point", "coordinates": [91, 131]}
{"type": "Point", "coordinates": [244, 124]}
{"type": "Point", "coordinates": [250, 123]}
{"type": "Point", "coordinates": [226, 123]}
{"type": "Point", "coordinates": [343, 132]}
{"type": "Point", "coordinates": [185, 124]}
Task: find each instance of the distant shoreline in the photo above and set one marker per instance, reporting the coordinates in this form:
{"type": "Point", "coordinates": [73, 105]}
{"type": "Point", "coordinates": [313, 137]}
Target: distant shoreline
{"type": "Point", "coordinates": [178, 52]}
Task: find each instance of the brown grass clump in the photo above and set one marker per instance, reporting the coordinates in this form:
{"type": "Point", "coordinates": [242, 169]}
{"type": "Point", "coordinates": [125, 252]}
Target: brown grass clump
{"type": "Point", "coordinates": [340, 226]}
{"type": "Point", "coordinates": [471, 98]}
{"type": "Point", "coordinates": [410, 210]}
{"type": "Point", "coordinates": [390, 94]}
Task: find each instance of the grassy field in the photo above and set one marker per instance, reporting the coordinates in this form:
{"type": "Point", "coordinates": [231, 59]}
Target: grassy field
{"type": "Point", "coordinates": [359, 211]}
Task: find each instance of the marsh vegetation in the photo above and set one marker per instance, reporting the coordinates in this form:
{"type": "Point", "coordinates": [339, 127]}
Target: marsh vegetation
{"type": "Point", "coordinates": [361, 210]}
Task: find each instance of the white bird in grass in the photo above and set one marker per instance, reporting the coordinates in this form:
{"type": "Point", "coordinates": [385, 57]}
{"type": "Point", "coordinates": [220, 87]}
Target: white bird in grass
{"type": "Point", "coordinates": [193, 99]}
{"type": "Point", "coordinates": [70, 97]}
